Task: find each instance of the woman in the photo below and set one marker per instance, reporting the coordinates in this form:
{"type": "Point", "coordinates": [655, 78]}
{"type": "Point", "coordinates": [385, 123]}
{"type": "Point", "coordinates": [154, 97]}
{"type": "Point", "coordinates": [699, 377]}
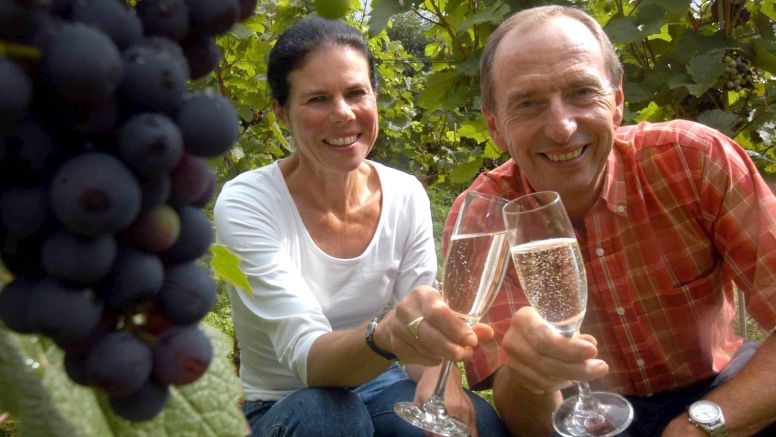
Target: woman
{"type": "Point", "coordinates": [328, 239]}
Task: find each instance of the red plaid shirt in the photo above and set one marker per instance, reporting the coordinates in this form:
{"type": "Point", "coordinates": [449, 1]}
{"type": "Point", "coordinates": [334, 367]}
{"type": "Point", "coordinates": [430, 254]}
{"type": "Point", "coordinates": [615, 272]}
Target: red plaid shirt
{"type": "Point", "coordinates": [683, 214]}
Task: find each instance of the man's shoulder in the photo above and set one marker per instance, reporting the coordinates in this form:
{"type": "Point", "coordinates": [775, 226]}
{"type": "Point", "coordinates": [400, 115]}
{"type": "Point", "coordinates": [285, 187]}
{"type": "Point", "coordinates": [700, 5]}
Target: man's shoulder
{"type": "Point", "coordinates": [684, 133]}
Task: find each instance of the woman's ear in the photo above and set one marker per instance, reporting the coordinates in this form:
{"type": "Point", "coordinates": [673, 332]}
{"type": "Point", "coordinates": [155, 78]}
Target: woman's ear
{"type": "Point", "coordinates": [280, 112]}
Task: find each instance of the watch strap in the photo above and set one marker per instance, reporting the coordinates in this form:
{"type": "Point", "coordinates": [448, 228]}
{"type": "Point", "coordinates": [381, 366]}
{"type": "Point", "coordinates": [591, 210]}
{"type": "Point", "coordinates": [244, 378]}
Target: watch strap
{"type": "Point", "coordinates": [370, 340]}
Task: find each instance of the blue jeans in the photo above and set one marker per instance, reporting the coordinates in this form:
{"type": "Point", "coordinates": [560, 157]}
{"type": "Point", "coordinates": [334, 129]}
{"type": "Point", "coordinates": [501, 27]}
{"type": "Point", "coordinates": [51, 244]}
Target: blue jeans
{"type": "Point", "coordinates": [653, 413]}
{"type": "Point", "coordinates": [366, 410]}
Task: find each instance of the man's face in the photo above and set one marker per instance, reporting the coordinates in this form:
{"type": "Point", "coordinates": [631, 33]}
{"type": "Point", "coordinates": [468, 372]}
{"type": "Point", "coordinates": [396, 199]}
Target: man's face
{"type": "Point", "coordinates": [555, 108]}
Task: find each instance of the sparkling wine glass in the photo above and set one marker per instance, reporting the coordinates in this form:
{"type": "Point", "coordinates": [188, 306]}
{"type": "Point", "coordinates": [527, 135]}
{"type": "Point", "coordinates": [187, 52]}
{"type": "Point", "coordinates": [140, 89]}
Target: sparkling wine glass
{"type": "Point", "coordinates": [552, 274]}
{"type": "Point", "coordinates": [475, 264]}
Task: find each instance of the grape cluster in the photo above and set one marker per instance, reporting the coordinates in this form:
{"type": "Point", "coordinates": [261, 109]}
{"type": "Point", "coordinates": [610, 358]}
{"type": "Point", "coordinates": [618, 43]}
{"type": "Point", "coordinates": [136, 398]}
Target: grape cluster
{"type": "Point", "coordinates": [738, 74]}
{"type": "Point", "coordinates": [102, 183]}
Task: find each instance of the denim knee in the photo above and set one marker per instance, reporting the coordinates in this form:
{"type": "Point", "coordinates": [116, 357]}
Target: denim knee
{"type": "Point", "coordinates": [320, 412]}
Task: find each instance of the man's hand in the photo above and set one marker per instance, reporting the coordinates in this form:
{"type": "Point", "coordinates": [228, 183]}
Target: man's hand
{"type": "Point", "coordinates": [543, 361]}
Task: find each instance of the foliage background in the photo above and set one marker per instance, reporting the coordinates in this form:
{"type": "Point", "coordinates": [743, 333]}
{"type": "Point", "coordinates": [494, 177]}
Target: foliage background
{"type": "Point", "coordinates": [676, 55]}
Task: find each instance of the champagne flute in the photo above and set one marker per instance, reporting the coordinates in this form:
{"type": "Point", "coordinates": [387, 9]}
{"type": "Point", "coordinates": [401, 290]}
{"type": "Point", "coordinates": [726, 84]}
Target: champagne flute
{"type": "Point", "coordinates": [552, 274]}
{"type": "Point", "coordinates": [475, 265]}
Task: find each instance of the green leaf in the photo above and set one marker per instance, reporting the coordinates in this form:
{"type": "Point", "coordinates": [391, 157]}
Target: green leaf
{"type": "Point", "coordinates": [718, 119]}
{"type": "Point", "coordinates": [36, 391]}
{"type": "Point", "coordinates": [763, 55]}
{"type": "Point", "coordinates": [623, 30]}
{"type": "Point", "coordinates": [668, 5]}
{"type": "Point", "coordinates": [465, 172]}
{"type": "Point", "coordinates": [226, 266]}
{"type": "Point", "coordinates": [474, 129]}
{"type": "Point", "coordinates": [381, 13]}
{"type": "Point", "coordinates": [650, 19]}
{"type": "Point", "coordinates": [706, 68]}
{"type": "Point", "coordinates": [493, 14]}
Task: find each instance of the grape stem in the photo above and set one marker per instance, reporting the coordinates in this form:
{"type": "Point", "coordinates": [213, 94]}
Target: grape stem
{"type": "Point", "coordinates": [15, 50]}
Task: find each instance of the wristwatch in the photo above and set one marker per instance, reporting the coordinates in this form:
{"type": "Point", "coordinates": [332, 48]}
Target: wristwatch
{"type": "Point", "coordinates": [707, 416]}
{"type": "Point", "coordinates": [370, 339]}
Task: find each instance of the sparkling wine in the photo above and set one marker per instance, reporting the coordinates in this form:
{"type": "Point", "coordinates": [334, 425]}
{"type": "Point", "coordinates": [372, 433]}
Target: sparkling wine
{"type": "Point", "coordinates": [553, 278]}
{"type": "Point", "coordinates": [474, 268]}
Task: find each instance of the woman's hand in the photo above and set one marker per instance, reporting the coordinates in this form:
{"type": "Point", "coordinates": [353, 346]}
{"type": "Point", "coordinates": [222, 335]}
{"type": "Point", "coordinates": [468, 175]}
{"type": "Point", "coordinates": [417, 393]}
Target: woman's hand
{"type": "Point", "coordinates": [457, 402]}
{"type": "Point", "coordinates": [440, 332]}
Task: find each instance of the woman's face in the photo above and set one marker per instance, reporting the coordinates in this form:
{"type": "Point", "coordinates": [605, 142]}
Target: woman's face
{"type": "Point", "coordinates": [331, 110]}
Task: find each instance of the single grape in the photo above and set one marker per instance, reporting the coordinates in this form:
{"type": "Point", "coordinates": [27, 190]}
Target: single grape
{"type": "Point", "coordinates": [135, 276]}
{"type": "Point", "coordinates": [189, 180]}
{"type": "Point", "coordinates": [94, 193]}
{"type": "Point", "coordinates": [113, 17]}
{"type": "Point", "coordinates": [15, 303]}
{"type": "Point", "coordinates": [187, 295]}
{"type": "Point", "coordinates": [202, 54]}
{"type": "Point", "coordinates": [25, 211]}
{"type": "Point", "coordinates": [155, 77]}
{"type": "Point", "coordinates": [195, 236]}
{"type": "Point", "coordinates": [63, 313]}
{"type": "Point", "coordinates": [168, 18]}
{"type": "Point", "coordinates": [78, 259]}
{"type": "Point", "coordinates": [119, 363]}
{"type": "Point", "coordinates": [247, 8]}
{"type": "Point", "coordinates": [81, 64]}
{"type": "Point", "coordinates": [150, 144]}
{"type": "Point", "coordinates": [154, 230]}
{"type": "Point", "coordinates": [213, 16]}
{"type": "Point", "coordinates": [142, 404]}
{"type": "Point", "coordinates": [16, 89]}
{"type": "Point", "coordinates": [181, 355]}
{"type": "Point", "coordinates": [209, 124]}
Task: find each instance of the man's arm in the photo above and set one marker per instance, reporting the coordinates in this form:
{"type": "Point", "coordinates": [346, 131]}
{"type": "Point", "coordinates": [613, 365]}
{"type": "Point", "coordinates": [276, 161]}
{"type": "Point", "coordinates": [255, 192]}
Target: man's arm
{"type": "Point", "coordinates": [748, 401]}
{"type": "Point", "coordinates": [524, 413]}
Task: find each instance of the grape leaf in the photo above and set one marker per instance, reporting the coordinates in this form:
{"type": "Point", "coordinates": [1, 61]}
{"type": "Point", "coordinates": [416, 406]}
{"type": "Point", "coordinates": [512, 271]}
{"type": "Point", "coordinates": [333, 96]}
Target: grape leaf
{"type": "Point", "coordinates": [226, 266]}
{"type": "Point", "coordinates": [37, 392]}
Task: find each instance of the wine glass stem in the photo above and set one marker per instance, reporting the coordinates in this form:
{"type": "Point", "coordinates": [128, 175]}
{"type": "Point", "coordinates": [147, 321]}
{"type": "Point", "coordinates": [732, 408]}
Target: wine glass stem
{"type": "Point", "coordinates": [586, 399]}
{"type": "Point", "coordinates": [435, 405]}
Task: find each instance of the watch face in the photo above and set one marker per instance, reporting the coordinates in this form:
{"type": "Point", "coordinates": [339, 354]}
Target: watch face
{"type": "Point", "coordinates": [704, 412]}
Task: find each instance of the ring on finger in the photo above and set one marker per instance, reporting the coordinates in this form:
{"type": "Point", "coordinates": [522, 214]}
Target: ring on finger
{"type": "Point", "coordinates": [414, 327]}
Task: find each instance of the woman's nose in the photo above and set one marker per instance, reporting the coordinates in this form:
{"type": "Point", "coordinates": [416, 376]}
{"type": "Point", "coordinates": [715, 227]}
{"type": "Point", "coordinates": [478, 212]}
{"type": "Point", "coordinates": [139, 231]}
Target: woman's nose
{"type": "Point", "coordinates": [342, 110]}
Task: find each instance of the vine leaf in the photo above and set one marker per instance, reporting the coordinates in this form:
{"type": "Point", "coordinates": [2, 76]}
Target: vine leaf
{"type": "Point", "coordinates": [226, 266]}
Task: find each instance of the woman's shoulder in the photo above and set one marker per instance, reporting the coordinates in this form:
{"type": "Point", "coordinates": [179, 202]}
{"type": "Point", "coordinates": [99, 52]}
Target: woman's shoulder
{"type": "Point", "coordinates": [391, 177]}
{"type": "Point", "coordinates": [257, 186]}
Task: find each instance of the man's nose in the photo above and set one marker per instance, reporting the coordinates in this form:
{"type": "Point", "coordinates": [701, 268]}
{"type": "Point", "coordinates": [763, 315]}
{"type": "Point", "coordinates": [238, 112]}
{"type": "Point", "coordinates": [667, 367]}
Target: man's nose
{"type": "Point", "coordinates": [561, 122]}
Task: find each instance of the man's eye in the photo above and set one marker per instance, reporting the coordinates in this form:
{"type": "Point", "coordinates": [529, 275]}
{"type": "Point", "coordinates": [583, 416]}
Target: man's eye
{"type": "Point", "coordinates": [357, 93]}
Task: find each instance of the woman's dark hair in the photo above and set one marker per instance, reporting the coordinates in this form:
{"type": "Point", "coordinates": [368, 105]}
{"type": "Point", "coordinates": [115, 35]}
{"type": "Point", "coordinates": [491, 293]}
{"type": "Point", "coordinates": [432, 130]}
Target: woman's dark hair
{"type": "Point", "coordinates": [307, 35]}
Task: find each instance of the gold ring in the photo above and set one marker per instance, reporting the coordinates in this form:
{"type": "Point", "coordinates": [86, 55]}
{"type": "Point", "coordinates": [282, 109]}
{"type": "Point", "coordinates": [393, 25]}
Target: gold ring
{"type": "Point", "coordinates": [414, 327]}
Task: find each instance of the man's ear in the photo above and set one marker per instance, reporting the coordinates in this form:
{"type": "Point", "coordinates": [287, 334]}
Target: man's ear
{"type": "Point", "coordinates": [619, 104]}
{"type": "Point", "coordinates": [490, 122]}
{"type": "Point", "coordinates": [280, 112]}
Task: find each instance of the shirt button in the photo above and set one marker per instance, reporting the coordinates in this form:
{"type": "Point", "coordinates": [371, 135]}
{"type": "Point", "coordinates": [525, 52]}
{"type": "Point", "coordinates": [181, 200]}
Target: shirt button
{"type": "Point", "coordinates": [640, 362]}
{"type": "Point", "coordinates": [599, 252]}
{"type": "Point", "coordinates": [620, 311]}
{"type": "Point", "coordinates": [620, 209]}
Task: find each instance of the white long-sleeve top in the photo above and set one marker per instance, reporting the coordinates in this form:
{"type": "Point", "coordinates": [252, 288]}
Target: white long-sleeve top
{"type": "Point", "coordinates": [300, 292]}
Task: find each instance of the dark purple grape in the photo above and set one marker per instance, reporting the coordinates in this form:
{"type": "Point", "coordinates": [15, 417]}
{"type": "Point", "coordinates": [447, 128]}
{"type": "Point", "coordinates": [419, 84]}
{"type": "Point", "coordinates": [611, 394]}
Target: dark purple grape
{"type": "Point", "coordinates": [155, 191]}
{"type": "Point", "coordinates": [154, 230]}
{"type": "Point", "coordinates": [202, 54]}
{"type": "Point", "coordinates": [19, 24]}
{"type": "Point", "coordinates": [187, 295]}
{"type": "Point", "coordinates": [181, 355]}
{"type": "Point", "coordinates": [94, 193]}
{"type": "Point", "coordinates": [119, 364]}
{"type": "Point", "coordinates": [16, 89]}
{"type": "Point", "coordinates": [77, 259]}
{"type": "Point", "coordinates": [80, 347]}
{"type": "Point", "coordinates": [213, 16]}
{"type": "Point", "coordinates": [189, 180]}
{"type": "Point", "coordinates": [209, 124]}
{"type": "Point", "coordinates": [207, 195]}
{"type": "Point", "coordinates": [168, 18]}
{"type": "Point", "coordinates": [75, 368]}
{"type": "Point", "coordinates": [32, 154]}
{"type": "Point", "coordinates": [25, 212]}
{"type": "Point", "coordinates": [21, 254]}
{"type": "Point", "coordinates": [81, 64]}
{"type": "Point", "coordinates": [135, 276]}
{"type": "Point", "coordinates": [113, 17]}
{"type": "Point", "coordinates": [142, 404]}
{"type": "Point", "coordinates": [15, 303]}
{"type": "Point", "coordinates": [155, 77]}
{"type": "Point", "coordinates": [63, 313]}
{"type": "Point", "coordinates": [150, 144]}
{"type": "Point", "coordinates": [196, 234]}
{"type": "Point", "coordinates": [247, 8]}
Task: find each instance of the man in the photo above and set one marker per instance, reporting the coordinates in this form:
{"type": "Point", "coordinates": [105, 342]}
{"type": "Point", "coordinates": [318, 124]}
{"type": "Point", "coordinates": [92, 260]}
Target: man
{"type": "Point", "coordinates": [668, 217]}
